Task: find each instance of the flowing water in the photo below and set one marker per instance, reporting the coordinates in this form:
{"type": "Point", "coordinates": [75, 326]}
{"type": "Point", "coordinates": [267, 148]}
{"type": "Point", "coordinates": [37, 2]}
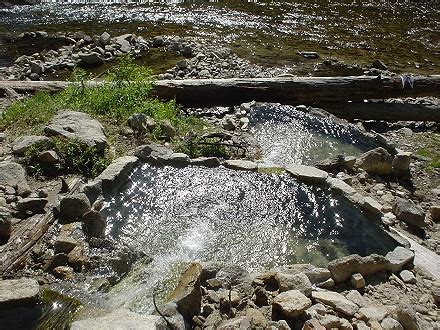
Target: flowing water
{"type": "Point", "coordinates": [254, 220]}
{"type": "Point", "coordinates": [287, 136]}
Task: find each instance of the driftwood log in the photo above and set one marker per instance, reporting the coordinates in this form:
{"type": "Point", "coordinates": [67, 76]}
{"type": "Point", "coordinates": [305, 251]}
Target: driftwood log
{"type": "Point", "coordinates": [284, 90]}
{"type": "Point", "coordinates": [24, 236]}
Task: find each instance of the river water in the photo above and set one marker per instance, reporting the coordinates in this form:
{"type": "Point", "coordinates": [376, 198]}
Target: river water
{"type": "Point", "coordinates": [404, 35]}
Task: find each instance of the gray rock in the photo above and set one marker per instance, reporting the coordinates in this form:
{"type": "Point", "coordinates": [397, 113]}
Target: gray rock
{"type": "Point", "coordinates": [408, 277]}
{"type": "Point", "coordinates": [337, 163]}
{"type": "Point", "coordinates": [179, 159]}
{"type": "Point", "coordinates": [37, 67]}
{"type": "Point", "coordinates": [257, 318]}
{"type": "Point", "coordinates": [370, 205]}
{"type": "Point", "coordinates": [372, 313]}
{"type": "Point", "coordinates": [78, 126]}
{"type": "Point", "coordinates": [401, 163]}
{"type": "Point", "coordinates": [399, 257]}
{"type": "Point", "coordinates": [154, 152]}
{"type": "Point", "coordinates": [18, 292]}
{"type": "Point", "coordinates": [242, 322]}
{"type": "Point", "coordinates": [340, 187]}
{"type": "Point", "coordinates": [336, 301]}
{"type": "Point", "coordinates": [299, 282]}
{"type": "Point", "coordinates": [307, 173]}
{"type": "Point", "coordinates": [357, 281]}
{"type": "Point", "coordinates": [64, 244]}
{"type": "Point", "coordinates": [91, 58]}
{"type": "Point", "coordinates": [378, 64]}
{"type": "Point", "coordinates": [63, 272]}
{"type": "Point", "coordinates": [123, 44]}
{"type": "Point", "coordinates": [408, 318]}
{"type": "Point", "coordinates": [167, 129]}
{"type": "Point", "coordinates": [24, 143]}
{"type": "Point", "coordinates": [158, 41]}
{"type": "Point", "coordinates": [141, 123]}
{"type": "Point", "coordinates": [119, 319]}
{"type": "Point", "coordinates": [5, 225]}
{"type": "Point", "coordinates": [342, 268]}
{"type": "Point", "coordinates": [313, 273]}
{"type": "Point", "coordinates": [206, 161]}
{"type": "Point", "coordinates": [32, 205]}
{"type": "Point", "coordinates": [406, 211]}
{"type": "Point", "coordinates": [435, 213]}
{"type": "Point", "coordinates": [73, 207]}
{"type": "Point", "coordinates": [291, 303]}
{"type": "Point", "coordinates": [356, 297]}
{"type": "Point", "coordinates": [104, 38]}
{"type": "Point", "coordinates": [243, 165]}
{"type": "Point", "coordinates": [48, 157]}
{"type": "Point", "coordinates": [376, 161]}
{"type": "Point", "coordinates": [93, 224]}
{"type": "Point", "coordinates": [34, 76]}
{"type": "Point", "coordinates": [117, 173]}
{"type": "Point", "coordinates": [390, 324]}
{"type": "Point", "coordinates": [228, 123]}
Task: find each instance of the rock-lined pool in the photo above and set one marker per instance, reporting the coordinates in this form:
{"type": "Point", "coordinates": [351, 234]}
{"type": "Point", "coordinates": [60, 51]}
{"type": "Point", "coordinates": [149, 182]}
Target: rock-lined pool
{"type": "Point", "coordinates": [254, 220]}
{"type": "Point", "coordinates": [287, 136]}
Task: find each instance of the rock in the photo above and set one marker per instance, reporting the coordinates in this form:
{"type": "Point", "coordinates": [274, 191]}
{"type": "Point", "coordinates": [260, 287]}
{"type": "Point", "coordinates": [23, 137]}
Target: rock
{"type": "Point", "coordinates": [64, 244]}
{"type": "Point", "coordinates": [337, 163]}
{"type": "Point", "coordinates": [153, 152]}
{"type": "Point", "coordinates": [18, 292]}
{"type": "Point", "coordinates": [299, 282]}
{"type": "Point", "coordinates": [77, 259]}
{"type": "Point", "coordinates": [340, 187]}
{"type": "Point", "coordinates": [406, 211]}
{"type": "Point", "coordinates": [13, 175]}
{"type": "Point", "coordinates": [182, 65]}
{"type": "Point", "coordinates": [119, 319]}
{"type": "Point", "coordinates": [243, 165]}
{"type": "Point", "coordinates": [206, 161]}
{"type": "Point", "coordinates": [78, 126]}
{"type": "Point", "coordinates": [91, 58]}
{"type": "Point", "coordinates": [401, 163]}
{"type": "Point", "coordinates": [291, 303]}
{"type": "Point", "coordinates": [48, 157]}
{"type": "Point", "coordinates": [104, 38]}
{"type": "Point", "coordinates": [141, 123]}
{"type": "Point", "coordinates": [53, 261]}
{"type": "Point", "coordinates": [399, 257]}
{"type": "Point", "coordinates": [158, 41]}
{"type": "Point", "coordinates": [435, 213]}
{"type": "Point", "coordinates": [344, 267]}
{"type": "Point", "coordinates": [313, 324]}
{"type": "Point", "coordinates": [356, 297]}
{"type": "Point", "coordinates": [378, 64]}
{"type": "Point", "coordinates": [436, 294]}
{"type": "Point", "coordinates": [24, 143]}
{"type": "Point", "coordinates": [257, 318]}
{"type": "Point", "coordinates": [36, 67]}
{"type": "Point", "coordinates": [93, 224]}
{"type": "Point", "coordinates": [116, 173]}
{"type": "Point", "coordinates": [307, 173]}
{"type": "Point", "coordinates": [390, 324]}
{"type": "Point", "coordinates": [372, 313]}
{"type": "Point", "coordinates": [408, 318]}
{"type": "Point", "coordinates": [34, 76]}
{"type": "Point", "coordinates": [376, 161]}
{"type": "Point", "coordinates": [123, 44]}
{"type": "Point", "coordinates": [32, 205]}
{"type": "Point", "coordinates": [73, 207]}
{"type": "Point", "coordinates": [370, 205]}
{"type": "Point", "coordinates": [242, 322]}
{"type": "Point", "coordinates": [5, 228]}
{"type": "Point", "coordinates": [357, 281]}
{"type": "Point", "coordinates": [313, 273]}
{"type": "Point", "coordinates": [63, 272]}
{"type": "Point", "coordinates": [334, 322]}
{"type": "Point", "coordinates": [179, 159]}
{"type": "Point", "coordinates": [261, 296]}
{"type": "Point", "coordinates": [188, 294]}
{"type": "Point", "coordinates": [408, 277]}
{"type": "Point", "coordinates": [228, 123]}
{"type": "Point", "coordinates": [336, 301]}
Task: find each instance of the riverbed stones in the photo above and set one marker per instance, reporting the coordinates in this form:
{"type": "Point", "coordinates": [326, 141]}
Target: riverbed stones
{"type": "Point", "coordinates": [342, 268]}
{"type": "Point", "coordinates": [376, 161]}
{"type": "Point", "coordinates": [104, 38]}
{"type": "Point", "coordinates": [117, 172]}
{"type": "Point", "coordinates": [291, 303]}
{"type": "Point", "coordinates": [73, 207]}
{"type": "Point", "coordinates": [63, 272]}
{"type": "Point", "coordinates": [307, 173]}
{"type": "Point", "coordinates": [64, 244]}
{"type": "Point", "coordinates": [407, 211]}
{"type": "Point", "coordinates": [93, 224]}
{"type": "Point", "coordinates": [31, 205]}
{"type": "Point", "coordinates": [336, 301]}
{"type": "Point", "coordinates": [399, 257]}
{"type": "Point", "coordinates": [26, 142]}
{"type": "Point", "coordinates": [13, 175]}
{"type": "Point", "coordinates": [18, 292]}
{"type": "Point", "coordinates": [92, 58]}
{"type": "Point", "coordinates": [243, 165]}
{"type": "Point", "coordinates": [119, 319]}
{"type": "Point", "coordinates": [407, 277]}
{"type": "Point", "coordinates": [299, 282]}
{"type": "Point", "coordinates": [401, 163]}
{"type": "Point", "coordinates": [79, 126]}
{"type": "Point", "coordinates": [187, 294]}
{"type": "Point", "coordinates": [357, 281]}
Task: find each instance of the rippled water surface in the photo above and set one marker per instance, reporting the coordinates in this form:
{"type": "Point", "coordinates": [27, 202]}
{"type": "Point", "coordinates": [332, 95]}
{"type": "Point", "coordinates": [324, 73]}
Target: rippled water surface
{"type": "Point", "coordinates": [287, 136]}
{"type": "Point", "coordinates": [251, 219]}
{"type": "Point", "coordinates": [404, 35]}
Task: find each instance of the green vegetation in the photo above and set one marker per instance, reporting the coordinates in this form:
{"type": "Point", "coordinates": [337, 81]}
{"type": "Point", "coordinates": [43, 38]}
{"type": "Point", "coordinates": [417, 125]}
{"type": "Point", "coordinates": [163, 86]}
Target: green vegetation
{"type": "Point", "coordinates": [431, 150]}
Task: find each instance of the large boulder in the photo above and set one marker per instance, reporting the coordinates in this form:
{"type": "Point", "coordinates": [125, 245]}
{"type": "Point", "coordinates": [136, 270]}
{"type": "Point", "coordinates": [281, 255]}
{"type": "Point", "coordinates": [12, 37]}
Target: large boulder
{"type": "Point", "coordinates": [18, 292]}
{"type": "Point", "coordinates": [336, 301]}
{"type": "Point", "coordinates": [188, 294]}
{"type": "Point", "coordinates": [119, 319]}
{"type": "Point", "coordinates": [14, 175]}
{"type": "Point", "coordinates": [307, 173]}
{"type": "Point", "coordinates": [291, 303]}
{"type": "Point", "coordinates": [376, 161]}
{"type": "Point", "coordinates": [399, 257]}
{"type": "Point", "coordinates": [79, 126]}
{"type": "Point", "coordinates": [406, 211]}
{"type": "Point", "coordinates": [73, 207]}
{"type": "Point", "coordinates": [24, 143]}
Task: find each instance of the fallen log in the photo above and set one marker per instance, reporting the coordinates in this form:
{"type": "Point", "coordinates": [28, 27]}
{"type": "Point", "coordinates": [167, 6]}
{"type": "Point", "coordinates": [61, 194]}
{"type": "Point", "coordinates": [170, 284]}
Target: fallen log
{"type": "Point", "coordinates": [284, 90]}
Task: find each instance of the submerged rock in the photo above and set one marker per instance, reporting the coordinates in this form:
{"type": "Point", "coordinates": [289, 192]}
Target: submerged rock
{"type": "Point", "coordinates": [18, 292]}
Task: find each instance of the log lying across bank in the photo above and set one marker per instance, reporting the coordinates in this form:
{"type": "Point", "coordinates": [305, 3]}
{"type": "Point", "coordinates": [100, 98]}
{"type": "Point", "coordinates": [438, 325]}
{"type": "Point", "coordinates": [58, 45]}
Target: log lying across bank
{"type": "Point", "coordinates": [285, 90]}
